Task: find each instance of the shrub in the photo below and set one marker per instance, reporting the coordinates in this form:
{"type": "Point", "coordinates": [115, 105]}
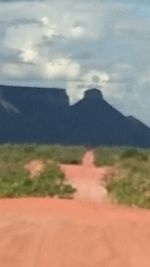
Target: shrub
{"type": "Point", "coordinates": [58, 153]}
{"type": "Point", "coordinates": [15, 181]}
{"type": "Point", "coordinates": [51, 182]}
{"type": "Point", "coordinates": [106, 155]}
{"type": "Point", "coordinates": [134, 153]}
{"type": "Point", "coordinates": [130, 181]}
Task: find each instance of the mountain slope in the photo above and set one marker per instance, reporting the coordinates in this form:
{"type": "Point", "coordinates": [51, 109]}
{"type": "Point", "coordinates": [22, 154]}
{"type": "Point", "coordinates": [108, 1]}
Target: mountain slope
{"type": "Point", "coordinates": [44, 116]}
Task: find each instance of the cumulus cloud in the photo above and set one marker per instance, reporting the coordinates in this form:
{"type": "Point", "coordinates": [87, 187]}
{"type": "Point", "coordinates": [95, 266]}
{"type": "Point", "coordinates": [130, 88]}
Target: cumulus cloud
{"type": "Point", "coordinates": [28, 53]}
{"type": "Point", "coordinates": [61, 68]}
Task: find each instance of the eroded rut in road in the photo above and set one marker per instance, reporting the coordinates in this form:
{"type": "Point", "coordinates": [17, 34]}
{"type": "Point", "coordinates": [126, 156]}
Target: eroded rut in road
{"type": "Point", "coordinates": [87, 179]}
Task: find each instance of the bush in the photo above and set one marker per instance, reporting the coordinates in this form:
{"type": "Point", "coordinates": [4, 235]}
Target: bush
{"type": "Point", "coordinates": [51, 182]}
{"type": "Point", "coordinates": [134, 153]}
{"type": "Point", "coordinates": [130, 181]}
{"type": "Point", "coordinates": [16, 182]}
{"type": "Point", "coordinates": [107, 156]}
{"type": "Point", "coordinates": [58, 153]}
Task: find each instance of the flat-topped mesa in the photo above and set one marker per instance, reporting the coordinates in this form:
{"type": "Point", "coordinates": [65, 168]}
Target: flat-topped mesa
{"type": "Point", "coordinates": [93, 94]}
{"type": "Point", "coordinates": [51, 95]}
{"type": "Point", "coordinates": [58, 96]}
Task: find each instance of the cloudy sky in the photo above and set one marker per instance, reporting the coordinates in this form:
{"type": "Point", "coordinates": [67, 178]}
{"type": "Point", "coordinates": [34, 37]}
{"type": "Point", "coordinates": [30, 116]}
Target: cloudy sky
{"type": "Point", "coordinates": [78, 45]}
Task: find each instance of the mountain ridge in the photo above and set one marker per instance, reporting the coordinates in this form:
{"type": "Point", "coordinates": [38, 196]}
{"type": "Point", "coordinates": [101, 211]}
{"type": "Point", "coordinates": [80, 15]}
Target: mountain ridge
{"type": "Point", "coordinates": [43, 115]}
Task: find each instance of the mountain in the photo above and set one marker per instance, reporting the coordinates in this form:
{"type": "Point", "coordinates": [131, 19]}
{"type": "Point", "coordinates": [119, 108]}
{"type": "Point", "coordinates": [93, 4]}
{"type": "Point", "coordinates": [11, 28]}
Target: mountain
{"type": "Point", "coordinates": [38, 115]}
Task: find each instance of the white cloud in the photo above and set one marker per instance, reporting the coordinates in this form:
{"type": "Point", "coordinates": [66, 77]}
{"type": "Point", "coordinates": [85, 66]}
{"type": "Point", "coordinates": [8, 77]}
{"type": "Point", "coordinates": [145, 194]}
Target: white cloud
{"type": "Point", "coordinates": [44, 21]}
{"type": "Point", "coordinates": [146, 78]}
{"type": "Point", "coordinates": [75, 91]}
{"type": "Point", "coordinates": [17, 36]}
{"type": "Point", "coordinates": [77, 31]}
{"type": "Point", "coordinates": [11, 70]}
{"type": "Point", "coordinates": [29, 54]}
{"type": "Point", "coordinates": [96, 78]}
{"type": "Point", "coordinates": [53, 29]}
{"type": "Point", "coordinates": [61, 68]}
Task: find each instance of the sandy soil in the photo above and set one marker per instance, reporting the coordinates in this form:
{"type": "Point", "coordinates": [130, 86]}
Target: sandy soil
{"type": "Point", "coordinates": [73, 233]}
{"type": "Point", "coordinates": [34, 167]}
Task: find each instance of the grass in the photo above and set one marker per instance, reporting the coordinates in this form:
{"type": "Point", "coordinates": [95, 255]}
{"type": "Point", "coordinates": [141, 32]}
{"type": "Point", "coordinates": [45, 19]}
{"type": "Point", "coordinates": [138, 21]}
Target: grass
{"type": "Point", "coordinates": [129, 182]}
{"type": "Point", "coordinates": [58, 153]}
{"type": "Point", "coordinates": [107, 156]}
{"type": "Point", "coordinates": [15, 181]}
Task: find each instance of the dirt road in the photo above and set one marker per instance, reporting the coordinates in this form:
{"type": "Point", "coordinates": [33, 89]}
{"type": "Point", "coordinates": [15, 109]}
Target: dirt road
{"type": "Point", "coordinates": [62, 233]}
{"type": "Point", "coordinates": [73, 233]}
{"type": "Point", "coordinates": [87, 179]}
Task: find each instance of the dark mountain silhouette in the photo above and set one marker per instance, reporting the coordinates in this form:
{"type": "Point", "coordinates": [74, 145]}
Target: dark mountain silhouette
{"type": "Point", "coordinates": [37, 115]}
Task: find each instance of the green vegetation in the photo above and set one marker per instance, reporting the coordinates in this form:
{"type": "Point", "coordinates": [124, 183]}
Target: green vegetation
{"type": "Point", "coordinates": [129, 181]}
{"type": "Point", "coordinates": [15, 181]}
{"type": "Point", "coordinates": [107, 155]}
{"type": "Point", "coordinates": [57, 153]}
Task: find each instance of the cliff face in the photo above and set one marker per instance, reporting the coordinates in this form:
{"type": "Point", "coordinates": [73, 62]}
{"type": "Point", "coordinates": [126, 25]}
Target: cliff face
{"type": "Point", "coordinates": [40, 115]}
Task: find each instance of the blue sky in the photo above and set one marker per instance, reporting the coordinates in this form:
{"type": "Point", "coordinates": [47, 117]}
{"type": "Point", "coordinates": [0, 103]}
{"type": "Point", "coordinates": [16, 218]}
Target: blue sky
{"type": "Point", "coordinates": [78, 45]}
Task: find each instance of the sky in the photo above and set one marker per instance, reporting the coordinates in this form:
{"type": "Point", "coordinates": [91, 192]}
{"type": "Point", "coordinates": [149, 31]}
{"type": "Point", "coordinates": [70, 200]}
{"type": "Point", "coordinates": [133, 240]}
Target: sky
{"type": "Point", "coordinates": [78, 45]}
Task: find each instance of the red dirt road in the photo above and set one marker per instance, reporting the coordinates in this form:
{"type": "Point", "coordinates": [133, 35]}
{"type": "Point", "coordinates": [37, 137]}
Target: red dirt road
{"type": "Point", "coordinates": [62, 233]}
{"type": "Point", "coordinates": [87, 179]}
{"type": "Point", "coordinates": [73, 233]}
